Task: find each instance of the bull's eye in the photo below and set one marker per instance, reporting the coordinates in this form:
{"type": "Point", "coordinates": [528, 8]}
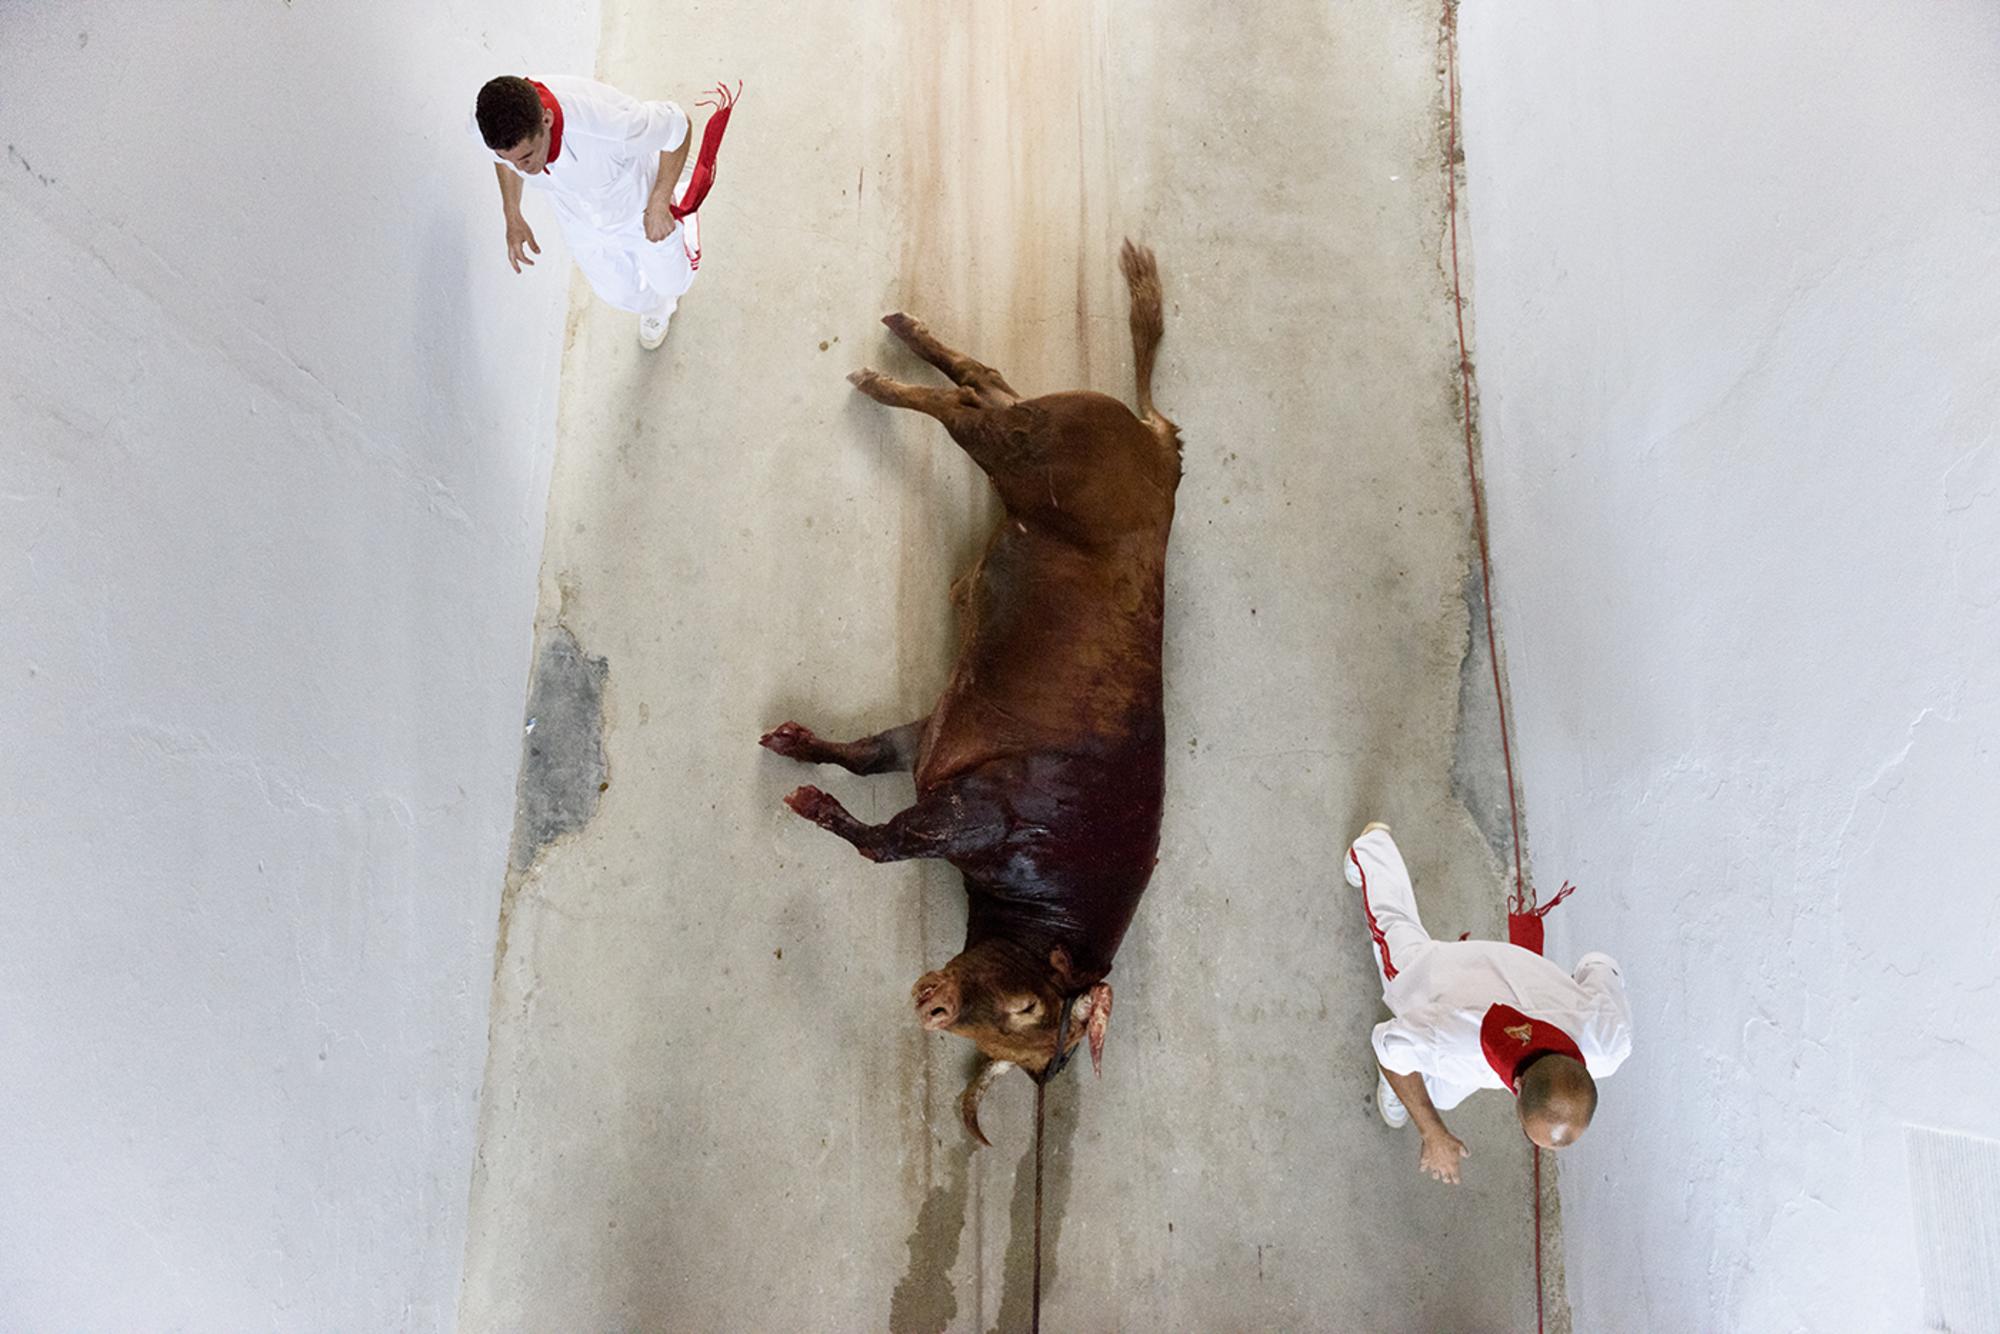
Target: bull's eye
{"type": "Point", "coordinates": [1027, 1008]}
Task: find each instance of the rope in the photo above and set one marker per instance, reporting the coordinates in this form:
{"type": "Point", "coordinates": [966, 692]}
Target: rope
{"type": "Point", "coordinates": [1522, 899]}
{"type": "Point", "coordinates": [1035, 1320]}
{"type": "Point", "coordinates": [1538, 1237]}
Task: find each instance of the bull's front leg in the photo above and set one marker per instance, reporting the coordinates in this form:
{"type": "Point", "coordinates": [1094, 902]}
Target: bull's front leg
{"type": "Point", "coordinates": [949, 822]}
{"type": "Point", "coordinates": [885, 752]}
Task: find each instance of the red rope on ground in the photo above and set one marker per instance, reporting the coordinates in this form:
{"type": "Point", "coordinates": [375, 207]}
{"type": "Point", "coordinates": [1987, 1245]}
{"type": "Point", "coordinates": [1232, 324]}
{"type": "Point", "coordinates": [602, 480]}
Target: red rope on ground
{"type": "Point", "coordinates": [1538, 1238]}
{"type": "Point", "coordinates": [1523, 897]}
{"type": "Point", "coordinates": [1035, 1320]}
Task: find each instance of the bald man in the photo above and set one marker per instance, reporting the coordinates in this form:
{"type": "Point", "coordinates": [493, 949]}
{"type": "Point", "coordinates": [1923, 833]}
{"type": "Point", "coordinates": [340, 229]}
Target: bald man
{"type": "Point", "coordinates": [1480, 1014]}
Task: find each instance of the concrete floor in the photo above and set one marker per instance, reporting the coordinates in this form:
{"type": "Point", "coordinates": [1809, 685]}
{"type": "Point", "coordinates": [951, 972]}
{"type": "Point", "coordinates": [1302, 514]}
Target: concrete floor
{"type": "Point", "coordinates": [707, 1107]}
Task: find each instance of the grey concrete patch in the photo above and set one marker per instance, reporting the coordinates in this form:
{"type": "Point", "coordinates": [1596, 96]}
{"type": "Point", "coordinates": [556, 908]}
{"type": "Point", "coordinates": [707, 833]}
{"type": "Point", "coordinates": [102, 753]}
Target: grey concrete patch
{"type": "Point", "coordinates": [563, 771]}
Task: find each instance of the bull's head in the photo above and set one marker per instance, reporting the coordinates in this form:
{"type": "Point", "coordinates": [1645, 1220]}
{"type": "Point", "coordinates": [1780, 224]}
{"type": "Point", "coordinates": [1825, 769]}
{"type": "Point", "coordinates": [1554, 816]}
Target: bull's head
{"type": "Point", "coordinates": [1010, 1005]}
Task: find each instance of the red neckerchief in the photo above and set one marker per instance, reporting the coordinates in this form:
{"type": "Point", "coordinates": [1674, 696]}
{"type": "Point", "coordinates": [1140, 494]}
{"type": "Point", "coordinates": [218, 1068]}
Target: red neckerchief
{"type": "Point", "coordinates": [1510, 1039]}
{"type": "Point", "coordinates": [554, 108]}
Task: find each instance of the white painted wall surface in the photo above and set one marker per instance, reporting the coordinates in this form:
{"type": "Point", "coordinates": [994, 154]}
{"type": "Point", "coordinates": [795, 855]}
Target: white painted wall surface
{"type": "Point", "coordinates": [277, 421]}
{"type": "Point", "coordinates": [1737, 273]}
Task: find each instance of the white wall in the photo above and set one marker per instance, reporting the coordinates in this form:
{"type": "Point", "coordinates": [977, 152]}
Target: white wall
{"type": "Point", "coordinates": [1737, 275]}
{"type": "Point", "coordinates": [277, 421]}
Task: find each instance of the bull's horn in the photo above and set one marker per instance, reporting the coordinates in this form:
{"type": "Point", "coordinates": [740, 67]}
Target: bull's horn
{"type": "Point", "coordinates": [1097, 1017]}
{"type": "Point", "coordinates": [968, 1101]}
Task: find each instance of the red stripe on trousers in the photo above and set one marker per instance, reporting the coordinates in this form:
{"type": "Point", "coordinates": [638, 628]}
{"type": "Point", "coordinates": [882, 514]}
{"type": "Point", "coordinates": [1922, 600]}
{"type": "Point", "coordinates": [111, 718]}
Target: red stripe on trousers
{"type": "Point", "coordinates": [1374, 927]}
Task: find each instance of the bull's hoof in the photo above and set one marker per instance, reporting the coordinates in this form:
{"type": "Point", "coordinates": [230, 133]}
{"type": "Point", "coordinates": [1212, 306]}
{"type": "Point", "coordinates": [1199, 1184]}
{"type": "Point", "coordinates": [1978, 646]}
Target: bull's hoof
{"type": "Point", "coordinates": [904, 326]}
{"type": "Point", "coordinates": [790, 740]}
{"type": "Point", "coordinates": [817, 806]}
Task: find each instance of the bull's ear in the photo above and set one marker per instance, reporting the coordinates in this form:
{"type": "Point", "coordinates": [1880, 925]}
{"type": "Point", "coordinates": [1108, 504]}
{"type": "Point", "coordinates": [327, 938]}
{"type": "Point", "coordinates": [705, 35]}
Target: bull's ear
{"type": "Point", "coordinates": [1063, 969]}
{"type": "Point", "coordinates": [1068, 978]}
{"type": "Point", "coordinates": [1100, 1019]}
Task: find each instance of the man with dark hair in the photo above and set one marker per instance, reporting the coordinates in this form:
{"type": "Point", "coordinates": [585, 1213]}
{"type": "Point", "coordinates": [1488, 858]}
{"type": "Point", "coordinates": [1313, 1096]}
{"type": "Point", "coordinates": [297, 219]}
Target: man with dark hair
{"type": "Point", "coordinates": [1478, 1014]}
{"type": "Point", "coordinates": [609, 165]}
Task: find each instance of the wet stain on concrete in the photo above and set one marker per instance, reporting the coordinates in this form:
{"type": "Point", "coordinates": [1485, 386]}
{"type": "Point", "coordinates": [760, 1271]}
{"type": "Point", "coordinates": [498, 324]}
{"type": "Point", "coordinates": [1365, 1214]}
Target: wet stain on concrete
{"type": "Point", "coordinates": [924, 1302]}
{"type": "Point", "coordinates": [563, 770]}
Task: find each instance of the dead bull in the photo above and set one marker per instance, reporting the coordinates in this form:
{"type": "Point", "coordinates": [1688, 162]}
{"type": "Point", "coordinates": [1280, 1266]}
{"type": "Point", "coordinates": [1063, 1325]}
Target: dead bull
{"type": "Point", "coordinates": [1040, 773]}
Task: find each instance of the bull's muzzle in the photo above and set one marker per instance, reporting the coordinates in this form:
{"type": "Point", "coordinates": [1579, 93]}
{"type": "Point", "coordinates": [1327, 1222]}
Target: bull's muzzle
{"type": "Point", "coordinates": [936, 1000]}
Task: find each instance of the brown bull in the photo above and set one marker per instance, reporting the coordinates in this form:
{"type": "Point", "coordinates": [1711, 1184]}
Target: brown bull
{"type": "Point", "coordinates": [1041, 771]}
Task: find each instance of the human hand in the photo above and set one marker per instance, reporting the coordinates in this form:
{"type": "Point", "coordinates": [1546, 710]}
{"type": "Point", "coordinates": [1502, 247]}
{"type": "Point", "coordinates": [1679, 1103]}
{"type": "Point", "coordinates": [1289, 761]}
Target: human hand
{"type": "Point", "coordinates": [659, 218]}
{"type": "Point", "coordinates": [1440, 1156]}
{"type": "Point", "coordinates": [520, 240]}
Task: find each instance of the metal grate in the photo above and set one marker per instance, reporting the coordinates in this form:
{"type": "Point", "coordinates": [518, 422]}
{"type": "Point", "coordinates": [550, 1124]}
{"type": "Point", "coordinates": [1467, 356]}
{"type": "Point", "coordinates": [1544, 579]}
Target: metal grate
{"type": "Point", "coordinates": [1955, 1194]}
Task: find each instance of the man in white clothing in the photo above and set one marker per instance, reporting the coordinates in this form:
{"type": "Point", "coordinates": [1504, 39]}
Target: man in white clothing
{"type": "Point", "coordinates": [1481, 1014]}
{"type": "Point", "coordinates": [609, 165]}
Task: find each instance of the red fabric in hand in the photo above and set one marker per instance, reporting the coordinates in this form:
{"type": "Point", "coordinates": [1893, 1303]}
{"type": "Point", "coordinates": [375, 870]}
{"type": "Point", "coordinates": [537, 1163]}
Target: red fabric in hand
{"type": "Point", "coordinates": [711, 144]}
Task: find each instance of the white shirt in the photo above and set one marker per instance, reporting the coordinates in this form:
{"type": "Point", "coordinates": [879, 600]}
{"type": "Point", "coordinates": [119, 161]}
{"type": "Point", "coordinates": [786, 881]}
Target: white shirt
{"type": "Point", "coordinates": [1442, 997]}
{"type": "Point", "coordinates": [610, 155]}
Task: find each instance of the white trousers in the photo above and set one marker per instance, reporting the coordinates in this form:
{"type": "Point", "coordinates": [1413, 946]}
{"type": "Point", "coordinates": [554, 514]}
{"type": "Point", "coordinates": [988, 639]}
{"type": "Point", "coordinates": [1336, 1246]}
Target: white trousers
{"type": "Point", "coordinates": [628, 271]}
{"type": "Point", "coordinates": [1390, 901]}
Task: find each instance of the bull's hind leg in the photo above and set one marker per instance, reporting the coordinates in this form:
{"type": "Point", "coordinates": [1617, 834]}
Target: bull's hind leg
{"type": "Point", "coordinates": [979, 387]}
{"type": "Point", "coordinates": [953, 407]}
{"type": "Point", "coordinates": [982, 412]}
{"type": "Point", "coordinates": [885, 752]}
{"type": "Point", "coordinates": [1142, 278]}
{"type": "Point", "coordinates": [989, 385]}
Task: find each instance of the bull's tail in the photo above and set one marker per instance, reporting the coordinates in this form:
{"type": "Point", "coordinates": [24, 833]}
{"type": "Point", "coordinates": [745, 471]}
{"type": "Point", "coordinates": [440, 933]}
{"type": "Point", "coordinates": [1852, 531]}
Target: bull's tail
{"type": "Point", "coordinates": [1142, 276]}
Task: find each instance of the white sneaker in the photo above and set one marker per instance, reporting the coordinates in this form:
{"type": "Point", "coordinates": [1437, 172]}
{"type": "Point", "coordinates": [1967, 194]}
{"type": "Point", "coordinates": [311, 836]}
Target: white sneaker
{"type": "Point", "coordinates": [1394, 1114]}
{"type": "Point", "coordinates": [653, 328]}
{"type": "Point", "coordinates": [1348, 867]}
